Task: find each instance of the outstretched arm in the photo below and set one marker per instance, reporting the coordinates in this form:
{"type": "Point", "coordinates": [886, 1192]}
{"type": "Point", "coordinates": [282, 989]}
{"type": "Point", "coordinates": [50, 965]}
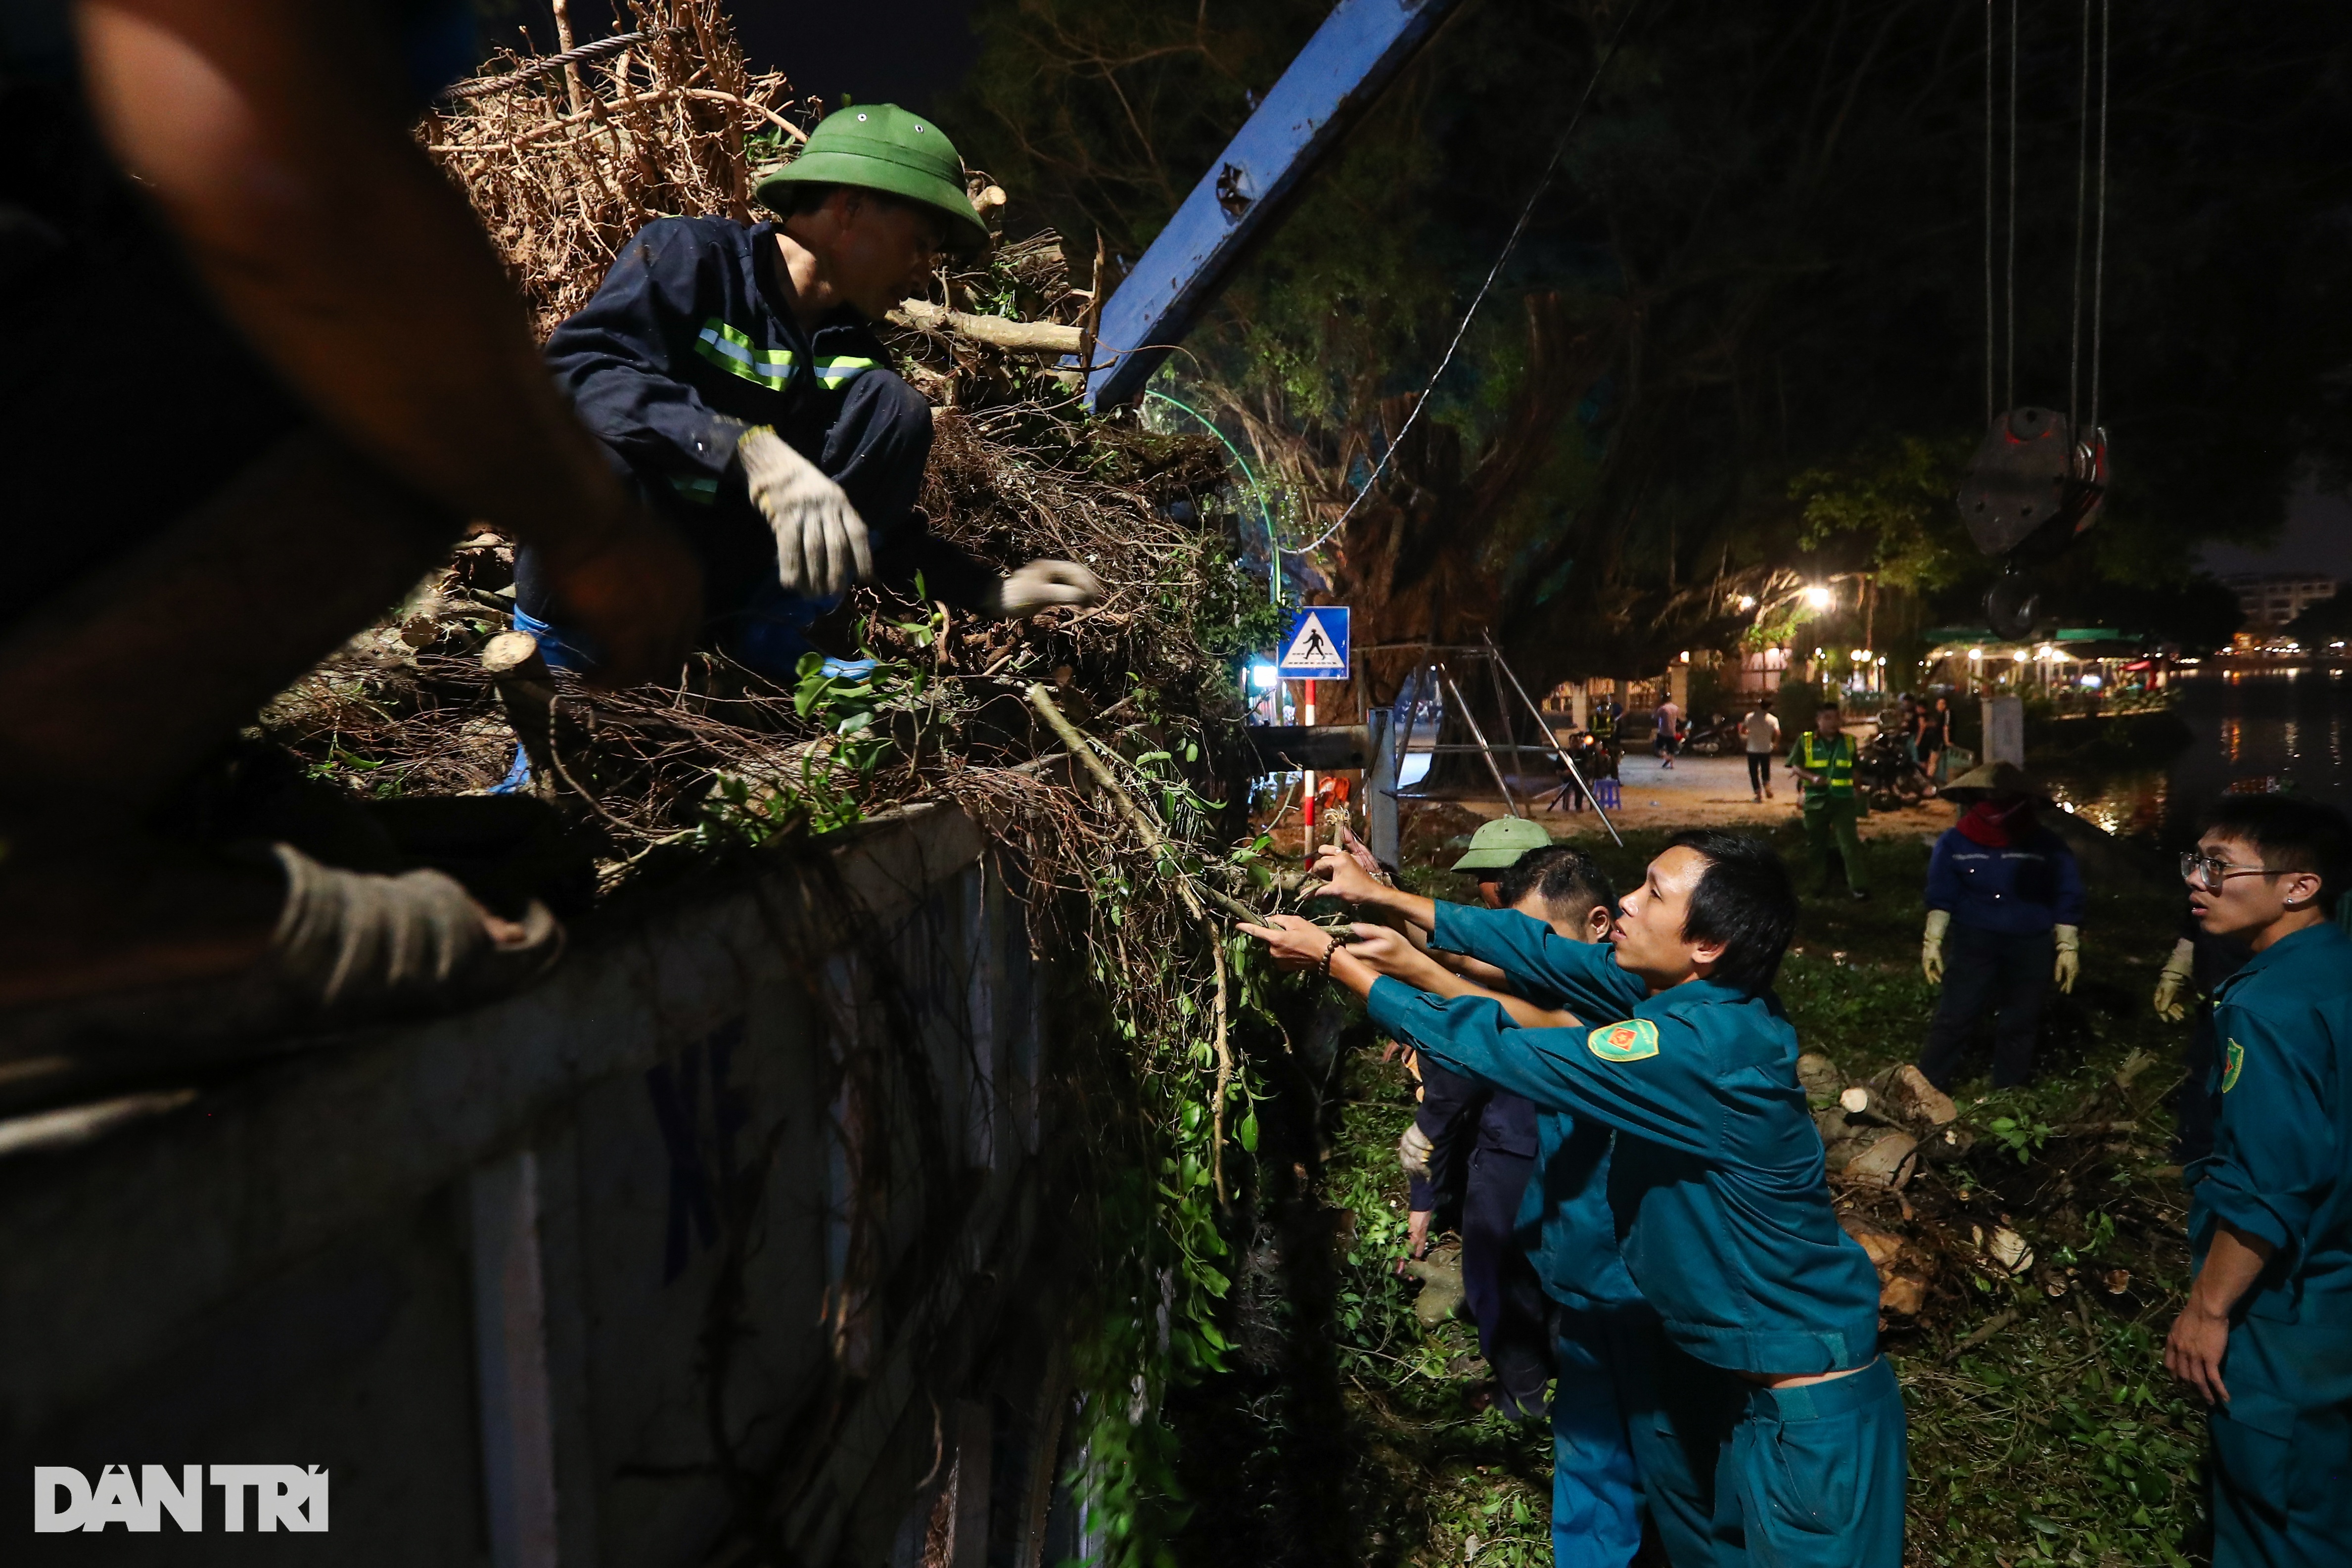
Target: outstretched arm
{"type": "Point", "coordinates": [273, 136]}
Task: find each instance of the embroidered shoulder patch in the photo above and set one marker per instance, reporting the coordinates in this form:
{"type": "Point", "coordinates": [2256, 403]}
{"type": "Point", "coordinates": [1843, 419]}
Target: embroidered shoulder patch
{"type": "Point", "coordinates": [1627, 1042]}
{"type": "Point", "coordinates": [2236, 1057]}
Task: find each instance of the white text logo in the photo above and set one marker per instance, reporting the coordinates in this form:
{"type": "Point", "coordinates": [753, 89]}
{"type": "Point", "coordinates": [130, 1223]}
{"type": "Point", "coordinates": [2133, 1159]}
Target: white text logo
{"type": "Point", "coordinates": [284, 1497]}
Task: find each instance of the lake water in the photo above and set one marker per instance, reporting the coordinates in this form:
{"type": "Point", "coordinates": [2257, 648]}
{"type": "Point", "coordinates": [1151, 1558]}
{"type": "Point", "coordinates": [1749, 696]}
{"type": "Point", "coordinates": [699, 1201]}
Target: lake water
{"type": "Point", "coordinates": [2292, 726]}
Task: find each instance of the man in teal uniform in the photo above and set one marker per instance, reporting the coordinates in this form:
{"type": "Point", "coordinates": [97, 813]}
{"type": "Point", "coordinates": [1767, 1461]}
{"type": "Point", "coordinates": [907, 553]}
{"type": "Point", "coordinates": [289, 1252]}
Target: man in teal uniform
{"type": "Point", "coordinates": [1823, 759]}
{"type": "Point", "coordinates": [1564, 1224]}
{"type": "Point", "coordinates": [1764, 1423]}
{"type": "Point", "coordinates": [2266, 1337]}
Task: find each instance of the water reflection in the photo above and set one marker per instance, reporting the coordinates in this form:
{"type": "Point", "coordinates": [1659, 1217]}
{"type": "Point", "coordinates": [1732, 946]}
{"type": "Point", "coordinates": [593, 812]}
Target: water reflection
{"type": "Point", "coordinates": [2247, 726]}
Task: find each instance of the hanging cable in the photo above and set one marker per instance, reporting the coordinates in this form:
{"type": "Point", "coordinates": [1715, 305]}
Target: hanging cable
{"type": "Point", "coordinates": [2008, 301]}
{"type": "Point", "coordinates": [2099, 246]}
{"type": "Point", "coordinates": [2082, 196]}
{"type": "Point", "coordinates": [1991, 408]}
{"type": "Point", "coordinates": [1558, 150]}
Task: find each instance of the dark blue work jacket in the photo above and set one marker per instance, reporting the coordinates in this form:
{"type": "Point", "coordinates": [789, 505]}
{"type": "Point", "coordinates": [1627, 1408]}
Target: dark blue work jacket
{"type": "Point", "coordinates": [687, 344]}
{"type": "Point", "coordinates": [1717, 1187]}
{"type": "Point", "coordinates": [2020, 889]}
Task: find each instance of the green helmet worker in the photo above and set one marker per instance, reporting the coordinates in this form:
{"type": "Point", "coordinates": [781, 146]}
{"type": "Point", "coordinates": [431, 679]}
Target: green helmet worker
{"type": "Point", "coordinates": [1494, 848]}
{"type": "Point", "coordinates": [733, 371]}
{"type": "Point", "coordinates": [1823, 760]}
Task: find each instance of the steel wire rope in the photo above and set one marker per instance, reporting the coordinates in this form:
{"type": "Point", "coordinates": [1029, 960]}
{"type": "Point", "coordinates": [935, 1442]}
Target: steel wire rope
{"type": "Point", "coordinates": [2099, 247]}
{"type": "Point", "coordinates": [1272, 540]}
{"type": "Point", "coordinates": [2082, 214]}
{"type": "Point", "coordinates": [1551, 165]}
{"type": "Point", "coordinates": [2009, 288]}
{"type": "Point", "coordinates": [1991, 320]}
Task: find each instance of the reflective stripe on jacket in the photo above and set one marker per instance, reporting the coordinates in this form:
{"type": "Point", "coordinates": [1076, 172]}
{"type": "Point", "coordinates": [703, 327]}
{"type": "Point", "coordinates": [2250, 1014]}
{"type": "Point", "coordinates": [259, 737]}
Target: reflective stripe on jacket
{"type": "Point", "coordinates": [1836, 763]}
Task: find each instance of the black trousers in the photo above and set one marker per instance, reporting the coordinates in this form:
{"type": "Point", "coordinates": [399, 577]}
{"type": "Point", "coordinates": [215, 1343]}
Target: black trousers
{"type": "Point", "coordinates": [1985, 970]}
{"type": "Point", "coordinates": [1759, 771]}
{"type": "Point", "coordinates": [1504, 1292]}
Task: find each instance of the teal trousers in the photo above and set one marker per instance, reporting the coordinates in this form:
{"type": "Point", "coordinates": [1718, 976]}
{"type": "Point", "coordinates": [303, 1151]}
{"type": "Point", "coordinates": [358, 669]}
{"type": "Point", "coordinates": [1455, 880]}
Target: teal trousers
{"type": "Point", "coordinates": [2283, 1446]}
{"type": "Point", "coordinates": [1741, 1477]}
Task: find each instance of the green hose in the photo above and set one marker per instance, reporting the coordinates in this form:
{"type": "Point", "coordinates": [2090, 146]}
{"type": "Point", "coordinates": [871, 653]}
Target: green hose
{"type": "Point", "coordinates": [1273, 544]}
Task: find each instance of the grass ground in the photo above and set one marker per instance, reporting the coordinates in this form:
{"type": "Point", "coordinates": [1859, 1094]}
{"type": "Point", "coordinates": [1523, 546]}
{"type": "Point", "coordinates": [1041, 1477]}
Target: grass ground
{"type": "Point", "coordinates": [2043, 1429]}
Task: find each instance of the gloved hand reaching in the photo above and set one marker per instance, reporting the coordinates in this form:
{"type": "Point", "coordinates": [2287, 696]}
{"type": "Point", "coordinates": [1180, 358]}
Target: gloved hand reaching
{"type": "Point", "coordinates": [1931, 946]}
{"type": "Point", "coordinates": [822, 549]}
{"type": "Point", "coordinates": [2069, 967]}
{"type": "Point", "coordinates": [1043, 584]}
{"type": "Point", "coordinates": [1413, 1150]}
{"type": "Point", "coordinates": [2173, 979]}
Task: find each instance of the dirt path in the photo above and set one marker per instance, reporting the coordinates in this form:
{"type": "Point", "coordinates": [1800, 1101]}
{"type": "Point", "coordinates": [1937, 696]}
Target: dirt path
{"type": "Point", "coordinates": [1707, 792]}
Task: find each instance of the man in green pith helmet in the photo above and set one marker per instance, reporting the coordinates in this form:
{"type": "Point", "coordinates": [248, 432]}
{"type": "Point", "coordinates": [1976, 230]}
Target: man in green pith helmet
{"type": "Point", "coordinates": [734, 373]}
{"type": "Point", "coordinates": [1823, 759]}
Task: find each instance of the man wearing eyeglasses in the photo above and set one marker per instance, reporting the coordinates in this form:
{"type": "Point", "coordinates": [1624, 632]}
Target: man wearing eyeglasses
{"type": "Point", "coordinates": [2266, 1337]}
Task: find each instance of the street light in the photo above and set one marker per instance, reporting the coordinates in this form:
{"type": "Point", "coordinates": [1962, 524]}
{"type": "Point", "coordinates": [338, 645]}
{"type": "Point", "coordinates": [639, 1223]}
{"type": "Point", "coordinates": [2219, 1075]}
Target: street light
{"type": "Point", "coordinates": [1862, 655]}
{"type": "Point", "coordinates": [1746, 601]}
{"type": "Point", "coordinates": [1820, 596]}
{"type": "Point", "coordinates": [1975, 654]}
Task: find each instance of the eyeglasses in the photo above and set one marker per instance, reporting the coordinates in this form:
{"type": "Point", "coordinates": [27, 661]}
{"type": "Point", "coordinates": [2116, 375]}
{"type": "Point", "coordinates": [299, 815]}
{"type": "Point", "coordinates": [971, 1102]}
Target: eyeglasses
{"type": "Point", "coordinates": [2212, 871]}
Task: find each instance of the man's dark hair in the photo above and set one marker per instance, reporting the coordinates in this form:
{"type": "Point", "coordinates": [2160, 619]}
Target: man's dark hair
{"type": "Point", "coordinates": [1820, 707]}
{"type": "Point", "coordinates": [1765, 700]}
{"type": "Point", "coordinates": [2289, 835]}
{"type": "Point", "coordinates": [1566, 879]}
{"type": "Point", "coordinates": [1745, 901]}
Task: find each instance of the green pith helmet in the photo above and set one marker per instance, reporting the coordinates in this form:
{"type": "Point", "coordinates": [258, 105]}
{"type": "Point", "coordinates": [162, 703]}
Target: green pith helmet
{"type": "Point", "coordinates": [1501, 842]}
{"type": "Point", "coordinates": [881, 147]}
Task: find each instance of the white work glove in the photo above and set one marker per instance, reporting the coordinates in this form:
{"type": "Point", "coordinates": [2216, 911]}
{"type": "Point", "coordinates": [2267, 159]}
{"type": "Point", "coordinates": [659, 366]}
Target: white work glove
{"type": "Point", "coordinates": [821, 550]}
{"type": "Point", "coordinates": [2069, 967]}
{"type": "Point", "coordinates": [1042, 585]}
{"type": "Point", "coordinates": [2173, 979]}
{"type": "Point", "coordinates": [1413, 1150]}
{"type": "Point", "coordinates": [1931, 946]}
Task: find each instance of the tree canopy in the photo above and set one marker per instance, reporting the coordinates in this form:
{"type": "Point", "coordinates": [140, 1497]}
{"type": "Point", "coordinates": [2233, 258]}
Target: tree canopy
{"type": "Point", "coordinates": [1746, 332]}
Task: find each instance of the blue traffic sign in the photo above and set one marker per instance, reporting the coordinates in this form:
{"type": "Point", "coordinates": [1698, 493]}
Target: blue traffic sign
{"type": "Point", "coordinates": [1317, 646]}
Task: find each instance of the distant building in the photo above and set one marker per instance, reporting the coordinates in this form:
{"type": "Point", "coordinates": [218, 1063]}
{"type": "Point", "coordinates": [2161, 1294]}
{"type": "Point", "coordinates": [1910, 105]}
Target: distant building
{"type": "Point", "coordinates": [2272, 599]}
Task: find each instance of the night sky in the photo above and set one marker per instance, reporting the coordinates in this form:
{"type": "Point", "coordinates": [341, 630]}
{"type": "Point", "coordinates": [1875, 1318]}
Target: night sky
{"type": "Point", "coordinates": [908, 52]}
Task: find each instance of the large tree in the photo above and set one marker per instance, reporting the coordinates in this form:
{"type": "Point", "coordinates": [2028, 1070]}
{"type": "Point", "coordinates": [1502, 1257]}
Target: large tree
{"type": "Point", "coordinates": [1754, 290]}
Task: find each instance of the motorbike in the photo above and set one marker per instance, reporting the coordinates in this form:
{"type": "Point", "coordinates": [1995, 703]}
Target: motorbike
{"type": "Point", "coordinates": [1885, 770]}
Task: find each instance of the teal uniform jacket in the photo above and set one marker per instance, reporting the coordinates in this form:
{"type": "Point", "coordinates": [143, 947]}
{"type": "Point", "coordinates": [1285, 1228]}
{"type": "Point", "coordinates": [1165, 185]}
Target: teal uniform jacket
{"type": "Point", "coordinates": [1718, 1186]}
{"type": "Point", "coordinates": [1564, 1220]}
{"type": "Point", "coordinates": [2282, 1163]}
{"type": "Point", "coordinates": [2282, 1170]}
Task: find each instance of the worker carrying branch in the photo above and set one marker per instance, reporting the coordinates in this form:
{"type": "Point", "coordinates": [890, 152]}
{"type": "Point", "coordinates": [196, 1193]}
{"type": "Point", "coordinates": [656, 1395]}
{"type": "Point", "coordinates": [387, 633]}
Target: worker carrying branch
{"type": "Point", "coordinates": [734, 375]}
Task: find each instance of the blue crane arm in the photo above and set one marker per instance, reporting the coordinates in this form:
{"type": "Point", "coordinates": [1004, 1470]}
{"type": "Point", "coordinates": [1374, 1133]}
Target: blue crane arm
{"type": "Point", "coordinates": [1359, 49]}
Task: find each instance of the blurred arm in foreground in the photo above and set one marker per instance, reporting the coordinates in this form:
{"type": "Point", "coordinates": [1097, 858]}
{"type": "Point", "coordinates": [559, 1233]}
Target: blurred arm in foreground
{"type": "Point", "coordinates": [270, 367]}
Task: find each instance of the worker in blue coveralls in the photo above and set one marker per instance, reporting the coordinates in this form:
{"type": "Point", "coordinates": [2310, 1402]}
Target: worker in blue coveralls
{"type": "Point", "coordinates": [2009, 895]}
{"type": "Point", "coordinates": [734, 373]}
{"type": "Point", "coordinates": [2266, 1337]}
{"type": "Point", "coordinates": [1764, 1423]}
{"type": "Point", "coordinates": [1490, 1178]}
{"type": "Point", "coordinates": [1564, 1224]}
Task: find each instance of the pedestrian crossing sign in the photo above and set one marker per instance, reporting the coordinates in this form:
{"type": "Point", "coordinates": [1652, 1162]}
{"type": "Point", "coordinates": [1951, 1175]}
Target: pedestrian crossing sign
{"type": "Point", "coordinates": [1317, 648]}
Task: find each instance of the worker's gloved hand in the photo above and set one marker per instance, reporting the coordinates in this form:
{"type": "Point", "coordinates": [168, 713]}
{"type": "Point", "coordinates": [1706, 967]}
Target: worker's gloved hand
{"type": "Point", "coordinates": [1044, 584]}
{"type": "Point", "coordinates": [354, 942]}
{"type": "Point", "coordinates": [2069, 967]}
{"type": "Point", "coordinates": [1413, 1150]}
{"type": "Point", "coordinates": [821, 548]}
{"type": "Point", "coordinates": [2173, 979]}
{"type": "Point", "coordinates": [1931, 946]}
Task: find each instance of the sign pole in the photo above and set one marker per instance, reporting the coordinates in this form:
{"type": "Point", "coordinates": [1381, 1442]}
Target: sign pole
{"type": "Point", "coordinates": [1306, 716]}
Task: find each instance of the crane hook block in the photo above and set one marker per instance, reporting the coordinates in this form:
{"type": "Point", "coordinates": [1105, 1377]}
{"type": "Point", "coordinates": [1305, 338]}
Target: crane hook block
{"type": "Point", "coordinates": [2031, 483]}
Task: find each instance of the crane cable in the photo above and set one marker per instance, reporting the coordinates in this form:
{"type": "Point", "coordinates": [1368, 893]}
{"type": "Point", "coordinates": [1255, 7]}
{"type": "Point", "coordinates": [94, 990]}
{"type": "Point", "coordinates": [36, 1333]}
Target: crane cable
{"type": "Point", "coordinates": [1551, 165]}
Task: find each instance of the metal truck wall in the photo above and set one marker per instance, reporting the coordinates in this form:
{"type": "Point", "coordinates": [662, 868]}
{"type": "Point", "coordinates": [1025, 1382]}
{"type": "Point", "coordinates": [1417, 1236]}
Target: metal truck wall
{"type": "Point", "coordinates": [733, 1212]}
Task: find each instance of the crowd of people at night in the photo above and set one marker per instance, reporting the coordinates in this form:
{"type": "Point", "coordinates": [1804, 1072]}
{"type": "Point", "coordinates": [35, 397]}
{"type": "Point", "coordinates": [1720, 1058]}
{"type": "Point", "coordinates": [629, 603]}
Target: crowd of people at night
{"type": "Point", "coordinates": [1611, 1115]}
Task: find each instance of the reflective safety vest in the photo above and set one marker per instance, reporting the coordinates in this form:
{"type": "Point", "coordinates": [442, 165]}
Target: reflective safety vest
{"type": "Point", "coordinates": [1832, 760]}
{"type": "Point", "coordinates": [1603, 724]}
